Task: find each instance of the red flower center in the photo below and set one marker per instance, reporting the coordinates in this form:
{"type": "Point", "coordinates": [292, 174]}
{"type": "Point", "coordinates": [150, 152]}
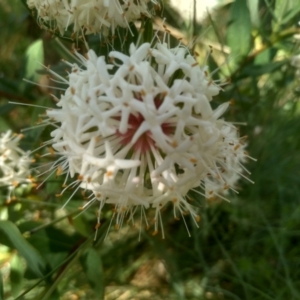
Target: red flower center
{"type": "Point", "coordinates": [145, 141]}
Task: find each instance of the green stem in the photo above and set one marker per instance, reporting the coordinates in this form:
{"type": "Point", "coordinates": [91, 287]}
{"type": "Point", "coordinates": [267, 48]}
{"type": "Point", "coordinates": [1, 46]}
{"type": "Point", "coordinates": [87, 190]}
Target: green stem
{"type": "Point", "coordinates": [67, 266]}
{"type": "Point", "coordinates": [50, 223]}
{"type": "Point", "coordinates": [44, 278]}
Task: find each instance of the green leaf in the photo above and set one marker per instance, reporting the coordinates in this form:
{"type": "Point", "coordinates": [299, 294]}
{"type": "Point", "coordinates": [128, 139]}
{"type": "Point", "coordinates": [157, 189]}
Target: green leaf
{"type": "Point", "coordinates": [16, 275]}
{"type": "Point", "coordinates": [253, 6]}
{"type": "Point", "coordinates": [9, 88]}
{"type": "Point", "coordinates": [82, 225]}
{"type": "Point", "coordinates": [263, 58]}
{"type": "Point", "coordinates": [291, 14]}
{"type": "Point", "coordinates": [35, 57]}
{"type": "Point", "coordinates": [258, 70]}
{"type": "Point", "coordinates": [284, 11]}
{"type": "Point", "coordinates": [92, 266]}
{"type": "Point", "coordinates": [213, 66]}
{"type": "Point", "coordinates": [47, 238]}
{"type": "Point", "coordinates": [239, 30]}
{"type": "Point", "coordinates": [148, 31]}
{"type": "Point", "coordinates": [35, 261]}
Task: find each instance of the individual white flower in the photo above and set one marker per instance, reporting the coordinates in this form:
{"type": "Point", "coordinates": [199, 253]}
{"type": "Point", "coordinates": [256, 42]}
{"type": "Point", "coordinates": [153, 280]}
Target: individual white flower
{"type": "Point", "coordinates": [136, 135]}
{"type": "Point", "coordinates": [89, 15]}
{"type": "Point", "coordinates": [14, 162]}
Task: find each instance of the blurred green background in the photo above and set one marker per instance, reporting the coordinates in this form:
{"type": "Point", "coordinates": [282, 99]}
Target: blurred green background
{"type": "Point", "coordinates": [247, 249]}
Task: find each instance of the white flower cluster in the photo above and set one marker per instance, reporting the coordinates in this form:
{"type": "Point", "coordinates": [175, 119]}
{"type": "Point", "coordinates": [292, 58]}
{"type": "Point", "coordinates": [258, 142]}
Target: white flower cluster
{"type": "Point", "coordinates": [14, 162]}
{"type": "Point", "coordinates": [137, 134]}
{"type": "Point", "coordinates": [90, 15]}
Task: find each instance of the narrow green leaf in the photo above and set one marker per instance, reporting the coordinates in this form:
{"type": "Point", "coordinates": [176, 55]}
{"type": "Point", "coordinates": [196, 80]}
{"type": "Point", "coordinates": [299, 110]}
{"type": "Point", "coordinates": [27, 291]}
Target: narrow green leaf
{"type": "Point", "coordinates": [148, 31]}
{"type": "Point", "coordinates": [47, 238]}
{"type": "Point", "coordinates": [92, 266]}
{"type": "Point", "coordinates": [213, 66]}
{"type": "Point", "coordinates": [239, 30]}
{"type": "Point", "coordinates": [253, 6]}
{"type": "Point", "coordinates": [51, 290]}
{"type": "Point", "coordinates": [52, 285]}
{"type": "Point", "coordinates": [281, 7]}
{"type": "Point", "coordinates": [35, 261]}
{"type": "Point", "coordinates": [35, 57]}
{"type": "Point", "coordinates": [284, 11]}
{"type": "Point", "coordinates": [291, 14]}
{"type": "Point", "coordinates": [258, 70]}
{"type": "Point", "coordinates": [16, 275]}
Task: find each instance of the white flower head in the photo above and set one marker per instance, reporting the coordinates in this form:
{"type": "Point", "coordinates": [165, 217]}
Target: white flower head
{"type": "Point", "coordinates": [92, 16]}
{"type": "Point", "coordinates": [14, 163]}
{"type": "Point", "coordinates": [136, 135]}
